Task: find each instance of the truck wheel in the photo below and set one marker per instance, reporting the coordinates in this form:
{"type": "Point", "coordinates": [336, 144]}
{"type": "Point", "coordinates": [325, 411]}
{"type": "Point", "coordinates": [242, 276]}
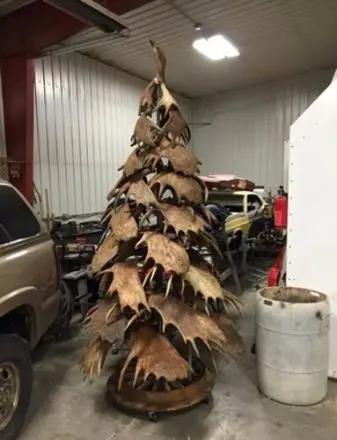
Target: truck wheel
{"type": "Point", "coordinates": [16, 377]}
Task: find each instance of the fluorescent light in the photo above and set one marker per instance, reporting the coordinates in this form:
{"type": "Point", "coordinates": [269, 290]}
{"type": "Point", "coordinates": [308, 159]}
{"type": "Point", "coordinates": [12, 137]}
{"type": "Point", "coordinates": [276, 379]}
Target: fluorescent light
{"type": "Point", "coordinates": [216, 47]}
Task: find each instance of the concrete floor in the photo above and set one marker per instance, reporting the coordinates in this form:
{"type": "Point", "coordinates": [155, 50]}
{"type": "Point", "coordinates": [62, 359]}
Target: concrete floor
{"type": "Point", "coordinates": [65, 408]}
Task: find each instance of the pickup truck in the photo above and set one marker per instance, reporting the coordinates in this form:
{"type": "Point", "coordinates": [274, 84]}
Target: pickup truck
{"type": "Point", "coordinates": [29, 302]}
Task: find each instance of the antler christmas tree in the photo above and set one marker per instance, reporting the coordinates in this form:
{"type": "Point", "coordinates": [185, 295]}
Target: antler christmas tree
{"type": "Point", "coordinates": [161, 294]}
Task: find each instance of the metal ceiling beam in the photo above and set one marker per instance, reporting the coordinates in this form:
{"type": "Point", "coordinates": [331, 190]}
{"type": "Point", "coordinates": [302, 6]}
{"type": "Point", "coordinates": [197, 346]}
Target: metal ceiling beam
{"type": "Point", "coordinates": [92, 13]}
{"type": "Point", "coordinates": [9, 6]}
{"type": "Point", "coordinates": [84, 45]}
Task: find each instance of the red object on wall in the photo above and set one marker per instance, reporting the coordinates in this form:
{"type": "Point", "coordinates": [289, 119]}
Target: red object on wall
{"type": "Point", "coordinates": [280, 212]}
{"type": "Point", "coordinates": [17, 89]}
{"type": "Point", "coordinates": [273, 276]}
{"type": "Point", "coordinates": [275, 272]}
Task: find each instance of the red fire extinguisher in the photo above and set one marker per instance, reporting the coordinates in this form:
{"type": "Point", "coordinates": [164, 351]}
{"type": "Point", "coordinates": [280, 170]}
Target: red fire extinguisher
{"type": "Point", "coordinates": [280, 210]}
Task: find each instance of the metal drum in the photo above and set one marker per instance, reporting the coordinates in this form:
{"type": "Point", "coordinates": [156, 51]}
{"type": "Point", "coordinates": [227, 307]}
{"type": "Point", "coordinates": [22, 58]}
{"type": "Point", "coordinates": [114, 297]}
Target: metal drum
{"type": "Point", "coordinates": [292, 332]}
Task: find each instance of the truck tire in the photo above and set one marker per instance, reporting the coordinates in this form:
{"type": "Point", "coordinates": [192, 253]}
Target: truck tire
{"type": "Point", "coordinates": [16, 377]}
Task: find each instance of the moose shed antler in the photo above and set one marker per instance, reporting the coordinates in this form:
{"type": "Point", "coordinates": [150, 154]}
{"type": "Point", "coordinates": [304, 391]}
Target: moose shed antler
{"type": "Point", "coordinates": [134, 163]}
{"type": "Point", "coordinates": [94, 357]}
{"type": "Point", "coordinates": [122, 223]}
{"type": "Point", "coordinates": [154, 355]}
{"type": "Point", "coordinates": [170, 255]}
{"type": "Point", "coordinates": [176, 128]}
{"type": "Point", "coordinates": [126, 283]}
{"type": "Point", "coordinates": [180, 158]}
{"type": "Point", "coordinates": [184, 188]}
{"type": "Point", "coordinates": [191, 324]}
{"type": "Point", "coordinates": [105, 320]}
{"type": "Point", "coordinates": [234, 342]}
{"type": "Point", "coordinates": [148, 99]}
{"type": "Point", "coordinates": [208, 286]}
{"type": "Point", "coordinates": [146, 133]}
{"type": "Point", "coordinates": [160, 61]}
{"type": "Point", "coordinates": [107, 251]}
{"type": "Point", "coordinates": [182, 219]}
{"type": "Point", "coordinates": [150, 96]}
{"type": "Point", "coordinates": [164, 253]}
{"type": "Point", "coordinates": [107, 330]}
{"type": "Point", "coordinates": [137, 191]}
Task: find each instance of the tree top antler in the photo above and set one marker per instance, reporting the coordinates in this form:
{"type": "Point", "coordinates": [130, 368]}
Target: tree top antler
{"type": "Point", "coordinates": [160, 61]}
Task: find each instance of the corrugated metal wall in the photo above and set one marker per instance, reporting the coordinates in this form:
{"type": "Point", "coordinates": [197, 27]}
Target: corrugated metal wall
{"type": "Point", "coordinates": [85, 113]}
{"type": "Point", "coordinates": [249, 126]}
{"type": "Point", "coordinates": [2, 126]}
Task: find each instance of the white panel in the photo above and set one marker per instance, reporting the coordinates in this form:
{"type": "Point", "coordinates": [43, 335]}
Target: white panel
{"type": "Point", "coordinates": [85, 113]}
{"type": "Point", "coordinates": [312, 242]}
{"type": "Point", "coordinates": [2, 126]}
{"type": "Point", "coordinates": [249, 126]}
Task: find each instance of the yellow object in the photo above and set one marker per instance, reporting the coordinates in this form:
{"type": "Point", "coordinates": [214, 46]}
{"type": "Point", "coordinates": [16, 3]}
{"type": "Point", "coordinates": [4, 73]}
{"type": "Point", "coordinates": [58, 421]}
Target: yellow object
{"type": "Point", "coordinates": [244, 208]}
{"type": "Point", "coordinates": [252, 207]}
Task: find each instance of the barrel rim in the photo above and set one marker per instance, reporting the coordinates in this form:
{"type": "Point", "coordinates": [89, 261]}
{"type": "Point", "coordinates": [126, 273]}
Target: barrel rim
{"type": "Point", "coordinates": [292, 295]}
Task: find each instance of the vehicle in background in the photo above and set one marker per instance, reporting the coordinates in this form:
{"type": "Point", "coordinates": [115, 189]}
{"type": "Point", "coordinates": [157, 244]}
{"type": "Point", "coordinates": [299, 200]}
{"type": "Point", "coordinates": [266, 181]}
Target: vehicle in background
{"type": "Point", "coordinates": [29, 302]}
{"type": "Point", "coordinates": [242, 211]}
{"type": "Point", "coordinates": [76, 241]}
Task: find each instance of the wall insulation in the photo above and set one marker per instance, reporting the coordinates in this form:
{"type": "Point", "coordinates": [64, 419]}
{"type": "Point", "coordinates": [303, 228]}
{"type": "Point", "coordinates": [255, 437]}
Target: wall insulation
{"type": "Point", "coordinates": [85, 113]}
{"type": "Point", "coordinates": [248, 127]}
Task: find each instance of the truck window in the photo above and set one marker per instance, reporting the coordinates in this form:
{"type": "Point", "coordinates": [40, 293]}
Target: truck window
{"type": "Point", "coordinates": [16, 219]}
{"type": "Point", "coordinates": [229, 201]}
{"type": "Point", "coordinates": [254, 203]}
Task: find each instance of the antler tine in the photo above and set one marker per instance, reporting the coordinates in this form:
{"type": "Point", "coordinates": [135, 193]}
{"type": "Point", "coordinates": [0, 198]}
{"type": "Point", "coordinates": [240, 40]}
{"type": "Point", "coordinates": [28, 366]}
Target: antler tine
{"type": "Point", "coordinates": [210, 239]}
{"type": "Point", "coordinates": [131, 320]}
{"type": "Point", "coordinates": [234, 303]}
{"type": "Point", "coordinates": [123, 370]}
{"type": "Point", "coordinates": [168, 287]}
{"type": "Point", "coordinates": [160, 61]}
{"type": "Point", "coordinates": [166, 226]}
{"type": "Point", "coordinates": [182, 288]}
{"type": "Point", "coordinates": [190, 360]}
{"type": "Point", "coordinates": [110, 312]}
{"type": "Point", "coordinates": [141, 241]}
{"type": "Point", "coordinates": [146, 216]}
{"type": "Point", "coordinates": [155, 268]}
{"type": "Point", "coordinates": [206, 308]}
{"type": "Point", "coordinates": [202, 183]}
{"type": "Point", "coordinates": [213, 362]}
{"type": "Point", "coordinates": [147, 276]}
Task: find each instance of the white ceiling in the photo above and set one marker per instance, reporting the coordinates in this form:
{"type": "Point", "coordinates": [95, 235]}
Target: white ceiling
{"type": "Point", "coordinates": [275, 38]}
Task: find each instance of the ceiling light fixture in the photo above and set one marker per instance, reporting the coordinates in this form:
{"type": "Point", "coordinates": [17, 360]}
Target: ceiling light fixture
{"type": "Point", "coordinates": [216, 47]}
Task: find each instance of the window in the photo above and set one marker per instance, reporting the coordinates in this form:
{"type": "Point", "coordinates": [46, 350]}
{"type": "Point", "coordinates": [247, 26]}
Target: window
{"type": "Point", "coordinates": [254, 203]}
{"type": "Point", "coordinates": [16, 219]}
{"type": "Point", "coordinates": [229, 201]}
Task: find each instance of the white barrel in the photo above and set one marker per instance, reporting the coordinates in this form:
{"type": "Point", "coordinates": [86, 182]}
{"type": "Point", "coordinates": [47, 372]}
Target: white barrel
{"type": "Point", "coordinates": [292, 327]}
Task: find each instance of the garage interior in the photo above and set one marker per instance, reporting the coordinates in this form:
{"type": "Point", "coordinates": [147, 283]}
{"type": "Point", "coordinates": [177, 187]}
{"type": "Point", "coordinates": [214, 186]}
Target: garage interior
{"type": "Point", "coordinates": [261, 117]}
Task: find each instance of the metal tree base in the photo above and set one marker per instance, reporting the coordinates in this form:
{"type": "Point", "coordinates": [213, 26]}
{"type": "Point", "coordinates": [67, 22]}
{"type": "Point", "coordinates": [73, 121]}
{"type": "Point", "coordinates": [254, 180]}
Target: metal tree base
{"type": "Point", "coordinates": [151, 403]}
